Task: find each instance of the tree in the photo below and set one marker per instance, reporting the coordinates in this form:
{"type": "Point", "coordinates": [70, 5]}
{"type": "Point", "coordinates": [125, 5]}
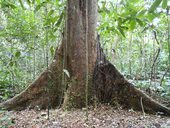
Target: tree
{"type": "Point", "coordinates": [80, 71]}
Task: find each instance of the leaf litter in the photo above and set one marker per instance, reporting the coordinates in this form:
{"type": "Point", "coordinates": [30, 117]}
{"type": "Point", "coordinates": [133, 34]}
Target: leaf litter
{"type": "Point", "coordinates": [104, 116]}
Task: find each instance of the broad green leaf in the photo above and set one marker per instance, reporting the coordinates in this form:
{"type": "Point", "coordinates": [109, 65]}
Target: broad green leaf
{"type": "Point", "coordinates": [11, 63]}
{"type": "Point", "coordinates": [38, 7]}
{"type": "Point", "coordinates": [141, 13]}
{"type": "Point", "coordinates": [50, 12]}
{"type": "Point", "coordinates": [66, 72]}
{"type": "Point", "coordinates": [132, 24]}
{"type": "Point", "coordinates": [155, 4]}
{"type": "Point", "coordinates": [17, 54]}
{"type": "Point", "coordinates": [164, 3]}
{"type": "Point", "coordinates": [150, 16]}
{"type": "Point", "coordinates": [139, 22]}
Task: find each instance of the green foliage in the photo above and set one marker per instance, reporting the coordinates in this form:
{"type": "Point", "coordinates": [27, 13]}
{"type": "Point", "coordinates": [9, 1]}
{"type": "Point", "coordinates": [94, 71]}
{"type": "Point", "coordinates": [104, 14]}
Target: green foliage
{"type": "Point", "coordinates": [155, 5]}
{"type": "Point", "coordinates": [127, 26]}
{"type": "Point", "coordinates": [22, 36]}
{"type": "Point", "coordinates": [164, 4]}
{"type": "Point", "coordinates": [20, 1]}
{"type": "Point", "coordinates": [124, 25]}
{"type": "Point", "coordinates": [7, 4]}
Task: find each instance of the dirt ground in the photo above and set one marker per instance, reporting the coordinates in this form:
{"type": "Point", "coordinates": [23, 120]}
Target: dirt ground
{"type": "Point", "coordinates": [102, 117]}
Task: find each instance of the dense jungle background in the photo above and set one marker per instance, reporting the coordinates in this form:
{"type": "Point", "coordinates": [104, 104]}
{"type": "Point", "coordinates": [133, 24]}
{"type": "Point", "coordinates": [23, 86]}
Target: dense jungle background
{"type": "Point", "coordinates": [134, 34]}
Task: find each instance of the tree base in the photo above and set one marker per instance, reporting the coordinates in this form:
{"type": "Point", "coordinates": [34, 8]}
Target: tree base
{"type": "Point", "coordinates": [109, 86]}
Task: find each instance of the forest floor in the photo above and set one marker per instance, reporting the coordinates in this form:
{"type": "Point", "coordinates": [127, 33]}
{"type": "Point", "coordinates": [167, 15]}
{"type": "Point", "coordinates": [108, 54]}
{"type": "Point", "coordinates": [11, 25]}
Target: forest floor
{"type": "Point", "coordinates": [104, 116]}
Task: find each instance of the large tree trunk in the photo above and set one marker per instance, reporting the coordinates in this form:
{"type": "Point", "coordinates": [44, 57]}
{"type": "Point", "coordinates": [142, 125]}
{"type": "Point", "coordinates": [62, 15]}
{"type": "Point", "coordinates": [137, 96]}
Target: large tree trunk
{"type": "Point", "coordinates": [81, 21]}
{"type": "Point", "coordinates": [53, 87]}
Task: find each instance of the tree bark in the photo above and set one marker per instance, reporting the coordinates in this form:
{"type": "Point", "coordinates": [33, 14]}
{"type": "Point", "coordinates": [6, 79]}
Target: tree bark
{"type": "Point", "coordinates": [54, 87]}
{"type": "Point", "coordinates": [111, 87]}
{"type": "Point", "coordinates": [76, 48]}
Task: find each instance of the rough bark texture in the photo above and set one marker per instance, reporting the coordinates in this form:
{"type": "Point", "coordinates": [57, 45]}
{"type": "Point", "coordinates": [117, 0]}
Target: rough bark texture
{"type": "Point", "coordinates": [76, 47]}
{"type": "Point", "coordinates": [111, 87]}
{"type": "Point", "coordinates": [108, 84]}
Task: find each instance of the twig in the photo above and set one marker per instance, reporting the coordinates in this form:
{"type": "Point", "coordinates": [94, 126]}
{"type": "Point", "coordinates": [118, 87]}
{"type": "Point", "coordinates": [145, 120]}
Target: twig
{"type": "Point", "coordinates": [164, 76]}
{"type": "Point", "coordinates": [142, 106]}
{"type": "Point", "coordinates": [158, 51]}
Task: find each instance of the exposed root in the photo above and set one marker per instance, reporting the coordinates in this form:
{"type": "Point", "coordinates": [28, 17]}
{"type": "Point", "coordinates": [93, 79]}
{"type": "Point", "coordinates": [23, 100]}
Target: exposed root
{"type": "Point", "coordinates": [110, 87]}
{"type": "Point", "coordinates": [40, 93]}
{"type": "Point", "coordinates": [45, 91]}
